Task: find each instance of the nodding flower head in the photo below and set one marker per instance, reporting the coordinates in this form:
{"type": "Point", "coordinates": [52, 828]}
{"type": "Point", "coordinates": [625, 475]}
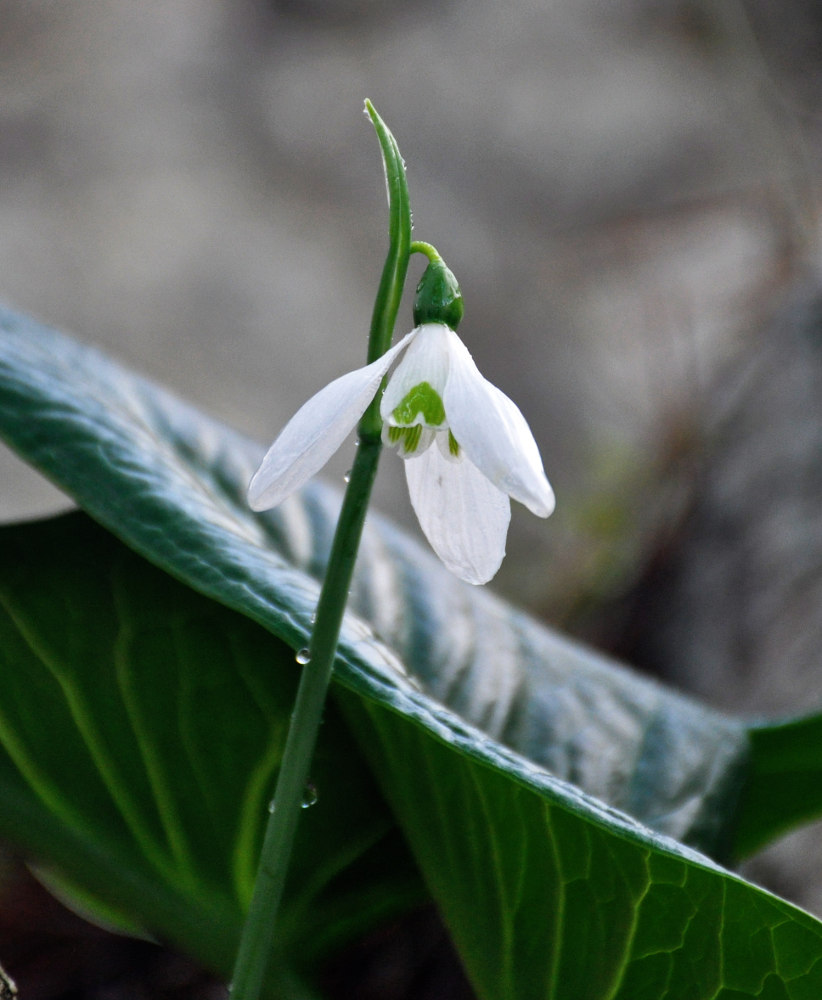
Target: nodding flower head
{"type": "Point", "coordinates": [467, 447]}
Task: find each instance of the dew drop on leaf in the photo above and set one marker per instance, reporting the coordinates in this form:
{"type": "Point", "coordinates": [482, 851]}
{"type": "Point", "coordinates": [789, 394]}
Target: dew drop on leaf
{"type": "Point", "coordinates": [310, 796]}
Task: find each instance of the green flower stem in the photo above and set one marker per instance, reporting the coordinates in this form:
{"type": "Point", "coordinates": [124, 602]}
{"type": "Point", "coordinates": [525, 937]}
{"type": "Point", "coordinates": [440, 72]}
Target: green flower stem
{"type": "Point", "coordinates": [258, 933]}
{"type": "Point", "coordinates": [428, 249]}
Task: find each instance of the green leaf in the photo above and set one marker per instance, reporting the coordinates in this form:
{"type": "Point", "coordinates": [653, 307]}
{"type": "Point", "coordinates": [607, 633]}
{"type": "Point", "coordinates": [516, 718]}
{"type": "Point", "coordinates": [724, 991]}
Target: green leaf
{"type": "Point", "coordinates": [148, 786]}
{"type": "Point", "coordinates": [171, 483]}
{"type": "Point", "coordinates": [784, 782]}
{"type": "Point", "coordinates": [545, 900]}
{"type": "Point", "coordinates": [471, 714]}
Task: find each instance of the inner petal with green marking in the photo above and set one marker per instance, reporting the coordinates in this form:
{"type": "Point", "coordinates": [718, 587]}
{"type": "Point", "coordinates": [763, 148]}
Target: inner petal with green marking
{"type": "Point", "coordinates": [423, 400]}
{"type": "Point", "coordinates": [408, 438]}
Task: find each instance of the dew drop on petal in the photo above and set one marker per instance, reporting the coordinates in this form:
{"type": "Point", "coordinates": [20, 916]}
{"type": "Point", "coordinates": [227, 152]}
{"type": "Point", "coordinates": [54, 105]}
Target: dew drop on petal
{"type": "Point", "coordinates": [304, 656]}
{"type": "Point", "coordinates": [310, 796]}
{"type": "Point", "coordinates": [347, 477]}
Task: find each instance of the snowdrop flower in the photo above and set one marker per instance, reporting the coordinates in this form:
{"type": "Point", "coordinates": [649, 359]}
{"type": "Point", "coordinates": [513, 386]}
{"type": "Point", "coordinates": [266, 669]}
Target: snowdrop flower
{"type": "Point", "coordinates": [467, 447]}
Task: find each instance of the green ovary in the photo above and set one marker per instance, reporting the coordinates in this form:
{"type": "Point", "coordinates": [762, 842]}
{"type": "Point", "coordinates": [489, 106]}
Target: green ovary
{"type": "Point", "coordinates": [421, 399]}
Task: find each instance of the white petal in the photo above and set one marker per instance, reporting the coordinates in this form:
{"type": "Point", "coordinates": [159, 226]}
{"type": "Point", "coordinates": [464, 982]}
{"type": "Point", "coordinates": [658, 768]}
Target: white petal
{"type": "Point", "coordinates": [463, 515]}
{"type": "Point", "coordinates": [316, 431]}
{"type": "Point", "coordinates": [493, 433]}
{"type": "Point", "coordinates": [426, 360]}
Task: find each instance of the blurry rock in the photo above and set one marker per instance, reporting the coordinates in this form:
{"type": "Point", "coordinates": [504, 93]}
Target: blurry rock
{"type": "Point", "coordinates": [730, 608]}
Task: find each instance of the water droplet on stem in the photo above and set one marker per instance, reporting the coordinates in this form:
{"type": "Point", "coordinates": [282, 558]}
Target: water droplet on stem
{"type": "Point", "coordinates": [304, 656]}
{"type": "Point", "coordinates": [310, 795]}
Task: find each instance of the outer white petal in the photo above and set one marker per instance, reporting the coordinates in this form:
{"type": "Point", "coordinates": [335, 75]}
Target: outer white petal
{"type": "Point", "coordinates": [316, 431]}
{"type": "Point", "coordinates": [463, 515]}
{"type": "Point", "coordinates": [426, 360]}
{"type": "Point", "coordinates": [493, 432]}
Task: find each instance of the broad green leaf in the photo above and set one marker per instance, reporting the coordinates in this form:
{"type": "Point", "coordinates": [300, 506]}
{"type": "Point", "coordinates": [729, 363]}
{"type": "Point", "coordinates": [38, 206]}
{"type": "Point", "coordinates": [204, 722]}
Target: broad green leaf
{"type": "Point", "coordinates": [543, 905]}
{"type": "Point", "coordinates": [784, 784]}
{"type": "Point", "coordinates": [548, 890]}
{"type": "Point", "coordinates": [171, 483]}
{"type": "Point", "coordinates": [141, 725]}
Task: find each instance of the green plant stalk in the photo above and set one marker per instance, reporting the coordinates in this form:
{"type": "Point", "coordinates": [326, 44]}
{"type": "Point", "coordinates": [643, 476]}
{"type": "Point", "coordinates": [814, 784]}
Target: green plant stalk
{"type": "Point", "coordinates": [258, 933]}
{"type": "Point", "coordinates": [427, 249]}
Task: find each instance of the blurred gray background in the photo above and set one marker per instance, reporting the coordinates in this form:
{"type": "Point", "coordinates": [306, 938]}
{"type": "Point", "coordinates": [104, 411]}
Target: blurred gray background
{"type": "Point", "coordinates": [625, 189]}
